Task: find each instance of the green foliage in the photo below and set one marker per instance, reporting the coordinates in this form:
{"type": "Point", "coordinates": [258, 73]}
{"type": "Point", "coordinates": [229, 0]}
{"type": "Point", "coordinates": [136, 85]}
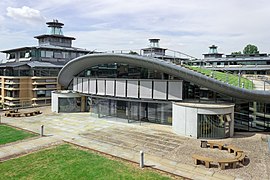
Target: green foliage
{"type": "Point", "coordinates": [68, 162]}
{"type": "Point", "coordinates": [133, 52]}
{"type": "Point", "coordinates": [236, 53]}
{"type": "Point", "coordinates": [251, 49]}
{"type": "Point", "coordinates": [231, 79]}
{"type": "Point", "coordinates": [9, 134]}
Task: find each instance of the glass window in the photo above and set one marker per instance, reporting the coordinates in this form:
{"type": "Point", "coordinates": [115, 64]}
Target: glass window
{"type": "Point", "coordinates": [49, 54]}
{"type": "Point", "coordinates": [213, 126]}
{"type": "Point", "coordinates": [58, 55]}
{"type": "Point", "coordinates": [42, 53]}
{"type": "Point", "coordinates": [69, 104]}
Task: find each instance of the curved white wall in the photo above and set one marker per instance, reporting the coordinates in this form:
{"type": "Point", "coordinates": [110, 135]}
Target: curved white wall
{"type": "Point", "coordinates": [61, 94]}
{"type": "Point", "coordinates": [185, 116]}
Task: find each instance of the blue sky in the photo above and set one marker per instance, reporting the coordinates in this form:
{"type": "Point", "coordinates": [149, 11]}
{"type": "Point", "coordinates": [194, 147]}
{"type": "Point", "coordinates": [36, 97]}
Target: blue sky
{"type": "Point", "coordinates": [186, 26]}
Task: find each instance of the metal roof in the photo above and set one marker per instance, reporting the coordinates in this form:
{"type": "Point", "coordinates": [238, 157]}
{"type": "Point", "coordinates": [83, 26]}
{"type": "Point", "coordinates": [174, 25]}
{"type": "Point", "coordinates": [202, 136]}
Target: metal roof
{"type": "Point", "coordinates": [75, 66]}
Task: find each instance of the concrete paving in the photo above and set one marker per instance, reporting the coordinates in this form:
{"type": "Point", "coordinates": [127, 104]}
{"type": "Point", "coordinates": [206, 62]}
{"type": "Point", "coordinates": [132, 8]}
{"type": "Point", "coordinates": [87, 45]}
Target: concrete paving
{"type": "Point", "coordinates": [163, 149]}
{"type": "Point", "coordinates": [26, 146]}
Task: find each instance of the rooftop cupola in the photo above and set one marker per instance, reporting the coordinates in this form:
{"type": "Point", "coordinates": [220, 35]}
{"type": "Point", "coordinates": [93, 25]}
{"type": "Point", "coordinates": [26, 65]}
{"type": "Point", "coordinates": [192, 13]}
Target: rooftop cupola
{"type": "Point", "coordinates": [213, 53]}
{"type": "Point", "coordinates": [213, 49]}
{"type": "Point", "coordinates": [154, 43]}
{"type": "Point", "coordinates": [55, 27]}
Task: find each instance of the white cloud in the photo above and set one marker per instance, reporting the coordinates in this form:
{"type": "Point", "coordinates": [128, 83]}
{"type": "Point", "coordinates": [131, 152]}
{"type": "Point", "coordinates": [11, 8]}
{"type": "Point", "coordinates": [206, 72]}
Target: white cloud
{"type": "Point", "coordinates": [188, 26]}
{"type": "Point", "coordinates": [25, 14]}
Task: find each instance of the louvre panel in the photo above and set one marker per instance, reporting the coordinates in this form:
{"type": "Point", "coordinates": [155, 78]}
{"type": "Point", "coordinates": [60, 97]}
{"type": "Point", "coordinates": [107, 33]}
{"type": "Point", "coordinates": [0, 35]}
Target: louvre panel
{"type": "Point", "coordinates": [120, 88]}
{"type": "Point", "coordinates": [85, 85]}
{"type": "Point", "coordinates": [132, 89]}
{"type": "Point", "coordinates": [110, 87]}
{"type": "Point", "coordinates": [146, 89]}
{"type": "Point", "coordinates": [175, 90]}
{"type": "Point", "coordinates": [101, 87]}
{"type": "Point", "coordinates": [93, 86]}
{"type": "Point", "coordinates": [160, 90]}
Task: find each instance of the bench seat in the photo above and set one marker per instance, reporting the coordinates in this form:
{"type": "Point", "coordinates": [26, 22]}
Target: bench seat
{"type": "Point", "coordinates": [202, 159]}
{"type": "Point", "coordinates": [230, 162]}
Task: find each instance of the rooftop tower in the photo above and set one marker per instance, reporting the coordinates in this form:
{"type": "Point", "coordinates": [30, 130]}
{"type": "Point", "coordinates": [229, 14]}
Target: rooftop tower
{"type": "Point", "coordinates": [55, 36]}
{"type": "Point", "coordinates": [154, 43]}
{"type": "Point", "coordinates": [213, 53]}
{"type": "Point", "coordinates": [55, 27]}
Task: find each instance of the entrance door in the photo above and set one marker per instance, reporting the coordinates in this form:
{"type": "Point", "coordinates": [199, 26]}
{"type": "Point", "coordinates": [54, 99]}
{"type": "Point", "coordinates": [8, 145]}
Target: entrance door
{"type": "Point", "coordinates": [121, 109]}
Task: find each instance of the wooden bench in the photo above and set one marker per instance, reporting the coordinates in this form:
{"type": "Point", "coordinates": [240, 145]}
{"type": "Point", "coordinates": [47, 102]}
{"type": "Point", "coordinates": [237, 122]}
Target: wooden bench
{"type": "Point", "coordinates": [37, 112]}
{"type": "Point", "coordinates": [213, 144]}
{"type": "Point", "coordinates": [235, 150]}
{"type": "Point", "coordinates": [230, 162]}
{"type": "Point", "coordinates": [201, 159]}
{"type": "Point", "coordinates": [15, 114]}
{"type": "Point", "coordinates": [241, 157]}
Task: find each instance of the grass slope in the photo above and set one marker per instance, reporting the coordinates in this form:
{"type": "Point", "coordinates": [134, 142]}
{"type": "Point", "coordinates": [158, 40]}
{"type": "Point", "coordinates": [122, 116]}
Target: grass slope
{"type": "Point", "coordinates": [68, 162]}
{"type": "Point", "coordinates": [232, 79]}
{"type": "Point", "coordinates": [9, 134]}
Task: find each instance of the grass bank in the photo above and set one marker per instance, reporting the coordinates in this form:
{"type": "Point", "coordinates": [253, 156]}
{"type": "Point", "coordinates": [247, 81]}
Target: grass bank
{"type": "Point", "coordinates": [231, 79]}
{"type": "Point", "coordinates": [9, 134]}
{"type": "Point", "coordinates": [69, 162]}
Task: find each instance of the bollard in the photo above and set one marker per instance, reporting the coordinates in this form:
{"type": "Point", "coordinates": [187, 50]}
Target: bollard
{"type": "Point", "coordinates": [41, 130]}
{"type": "Point", "coordinates": [141, 159]}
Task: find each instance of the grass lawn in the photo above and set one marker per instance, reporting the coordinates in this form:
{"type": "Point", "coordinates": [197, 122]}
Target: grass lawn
{"type": "Point", "coordinates": [69, 162]}
{"type": "Point", "coordinates": [231, 79]}
{"type": "Point", "coordinates": [9, 134]}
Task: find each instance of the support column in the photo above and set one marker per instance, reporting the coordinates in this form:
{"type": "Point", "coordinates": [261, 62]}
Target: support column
{"type": "Point", "coordinates": [83, 103]}
{"type": "Point", "coordinates": [162, 114]}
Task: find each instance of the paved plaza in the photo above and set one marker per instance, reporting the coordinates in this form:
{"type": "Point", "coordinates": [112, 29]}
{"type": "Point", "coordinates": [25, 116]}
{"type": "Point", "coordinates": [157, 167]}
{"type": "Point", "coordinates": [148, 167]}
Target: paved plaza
{"type": "Point", "coordinates": [163, 149]}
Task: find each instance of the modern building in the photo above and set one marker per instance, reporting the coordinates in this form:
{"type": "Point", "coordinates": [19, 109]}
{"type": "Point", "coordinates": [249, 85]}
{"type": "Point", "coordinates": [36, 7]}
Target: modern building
{"type": "Point", "coordinates": [146, 88]}
{"type": "Point", "coordinates": [29, 74]}
{"type": "Point", "coordinates": [252, 64]}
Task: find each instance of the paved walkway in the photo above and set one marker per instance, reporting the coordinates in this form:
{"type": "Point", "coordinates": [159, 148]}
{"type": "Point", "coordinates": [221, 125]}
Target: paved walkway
{"type": "Point", "coordinates": [23, 147]}
{"type": "Point", "coordinates": [163, 149]}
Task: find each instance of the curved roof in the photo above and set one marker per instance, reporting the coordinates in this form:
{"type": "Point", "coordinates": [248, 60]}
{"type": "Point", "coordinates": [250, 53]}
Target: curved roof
{"type": "Point", "coordinates": [75, 66]}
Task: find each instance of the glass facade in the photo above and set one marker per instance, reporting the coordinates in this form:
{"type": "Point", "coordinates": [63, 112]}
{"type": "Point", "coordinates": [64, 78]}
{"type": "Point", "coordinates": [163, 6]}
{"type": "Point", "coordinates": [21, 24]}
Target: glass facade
{"type": "Point", "coordinates": [69, 104]}
{"type": "Point", "coordinates": [122, 71]}
{"type": "Point", "coordinates": [160, 113]}
{"type": "Point", "coordinates": [213, 126]}
{"type": "Point", "coordinates": [248, 116]}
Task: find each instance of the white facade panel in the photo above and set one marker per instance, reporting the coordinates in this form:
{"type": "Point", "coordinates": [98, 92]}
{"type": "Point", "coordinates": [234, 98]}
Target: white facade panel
{"type": "Point", "coordinates": [146, 89]}
{"type": "Point", "coordinates": [160, 90]}
{"type": "Point", "coordinates": [75, 84]}
{"type": "Point", "coordinates": [93, 86]}
{"type": "Point", "coordinates": [184, 121]}
{"type": "Point", "coordinates": [175, 90]}
{"type": "Point", "coordinates": [85, 85]}
{"type": "Point", "coordinates": [80, 85]}
{"type": "Point", "coordinates": [120, 88]}
{"type": "Point", "coordinates": [110, 87]}
{"type": "Point", "coordinates": [132, 88]}
{"type": "Point", "coordinates": [101, 87]}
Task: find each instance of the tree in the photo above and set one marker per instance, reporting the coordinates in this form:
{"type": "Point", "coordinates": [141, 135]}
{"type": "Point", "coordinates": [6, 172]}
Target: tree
{"type": "Point", "coordinates": [236, 53]}
{"type": "Point", "coordinates": [133, 52]}
{"type": "Point", "coordinates": [250, 49]}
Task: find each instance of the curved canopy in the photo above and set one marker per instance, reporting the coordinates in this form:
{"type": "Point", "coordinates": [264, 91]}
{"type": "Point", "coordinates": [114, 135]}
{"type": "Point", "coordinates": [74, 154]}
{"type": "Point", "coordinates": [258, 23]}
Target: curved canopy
{"type": "Point", "coordinates": [75, 66]}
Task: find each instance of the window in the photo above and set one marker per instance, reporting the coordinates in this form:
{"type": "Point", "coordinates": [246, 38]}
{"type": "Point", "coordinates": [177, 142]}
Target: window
{"type": "Point", "coordinates": [11, 56]}
{"type": "Point", "coordinates": [27, 54]}
{"type": "Point", "coordinates": [49, 54]}
{"type": "Point", "coordinates": [58, 55]}
{"type": "Point", "coordinates": [22, 54]}
{"type": "Point", "coordinates": [65, 55]}
{"type": "Point", "coordinates": [42, 53]}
